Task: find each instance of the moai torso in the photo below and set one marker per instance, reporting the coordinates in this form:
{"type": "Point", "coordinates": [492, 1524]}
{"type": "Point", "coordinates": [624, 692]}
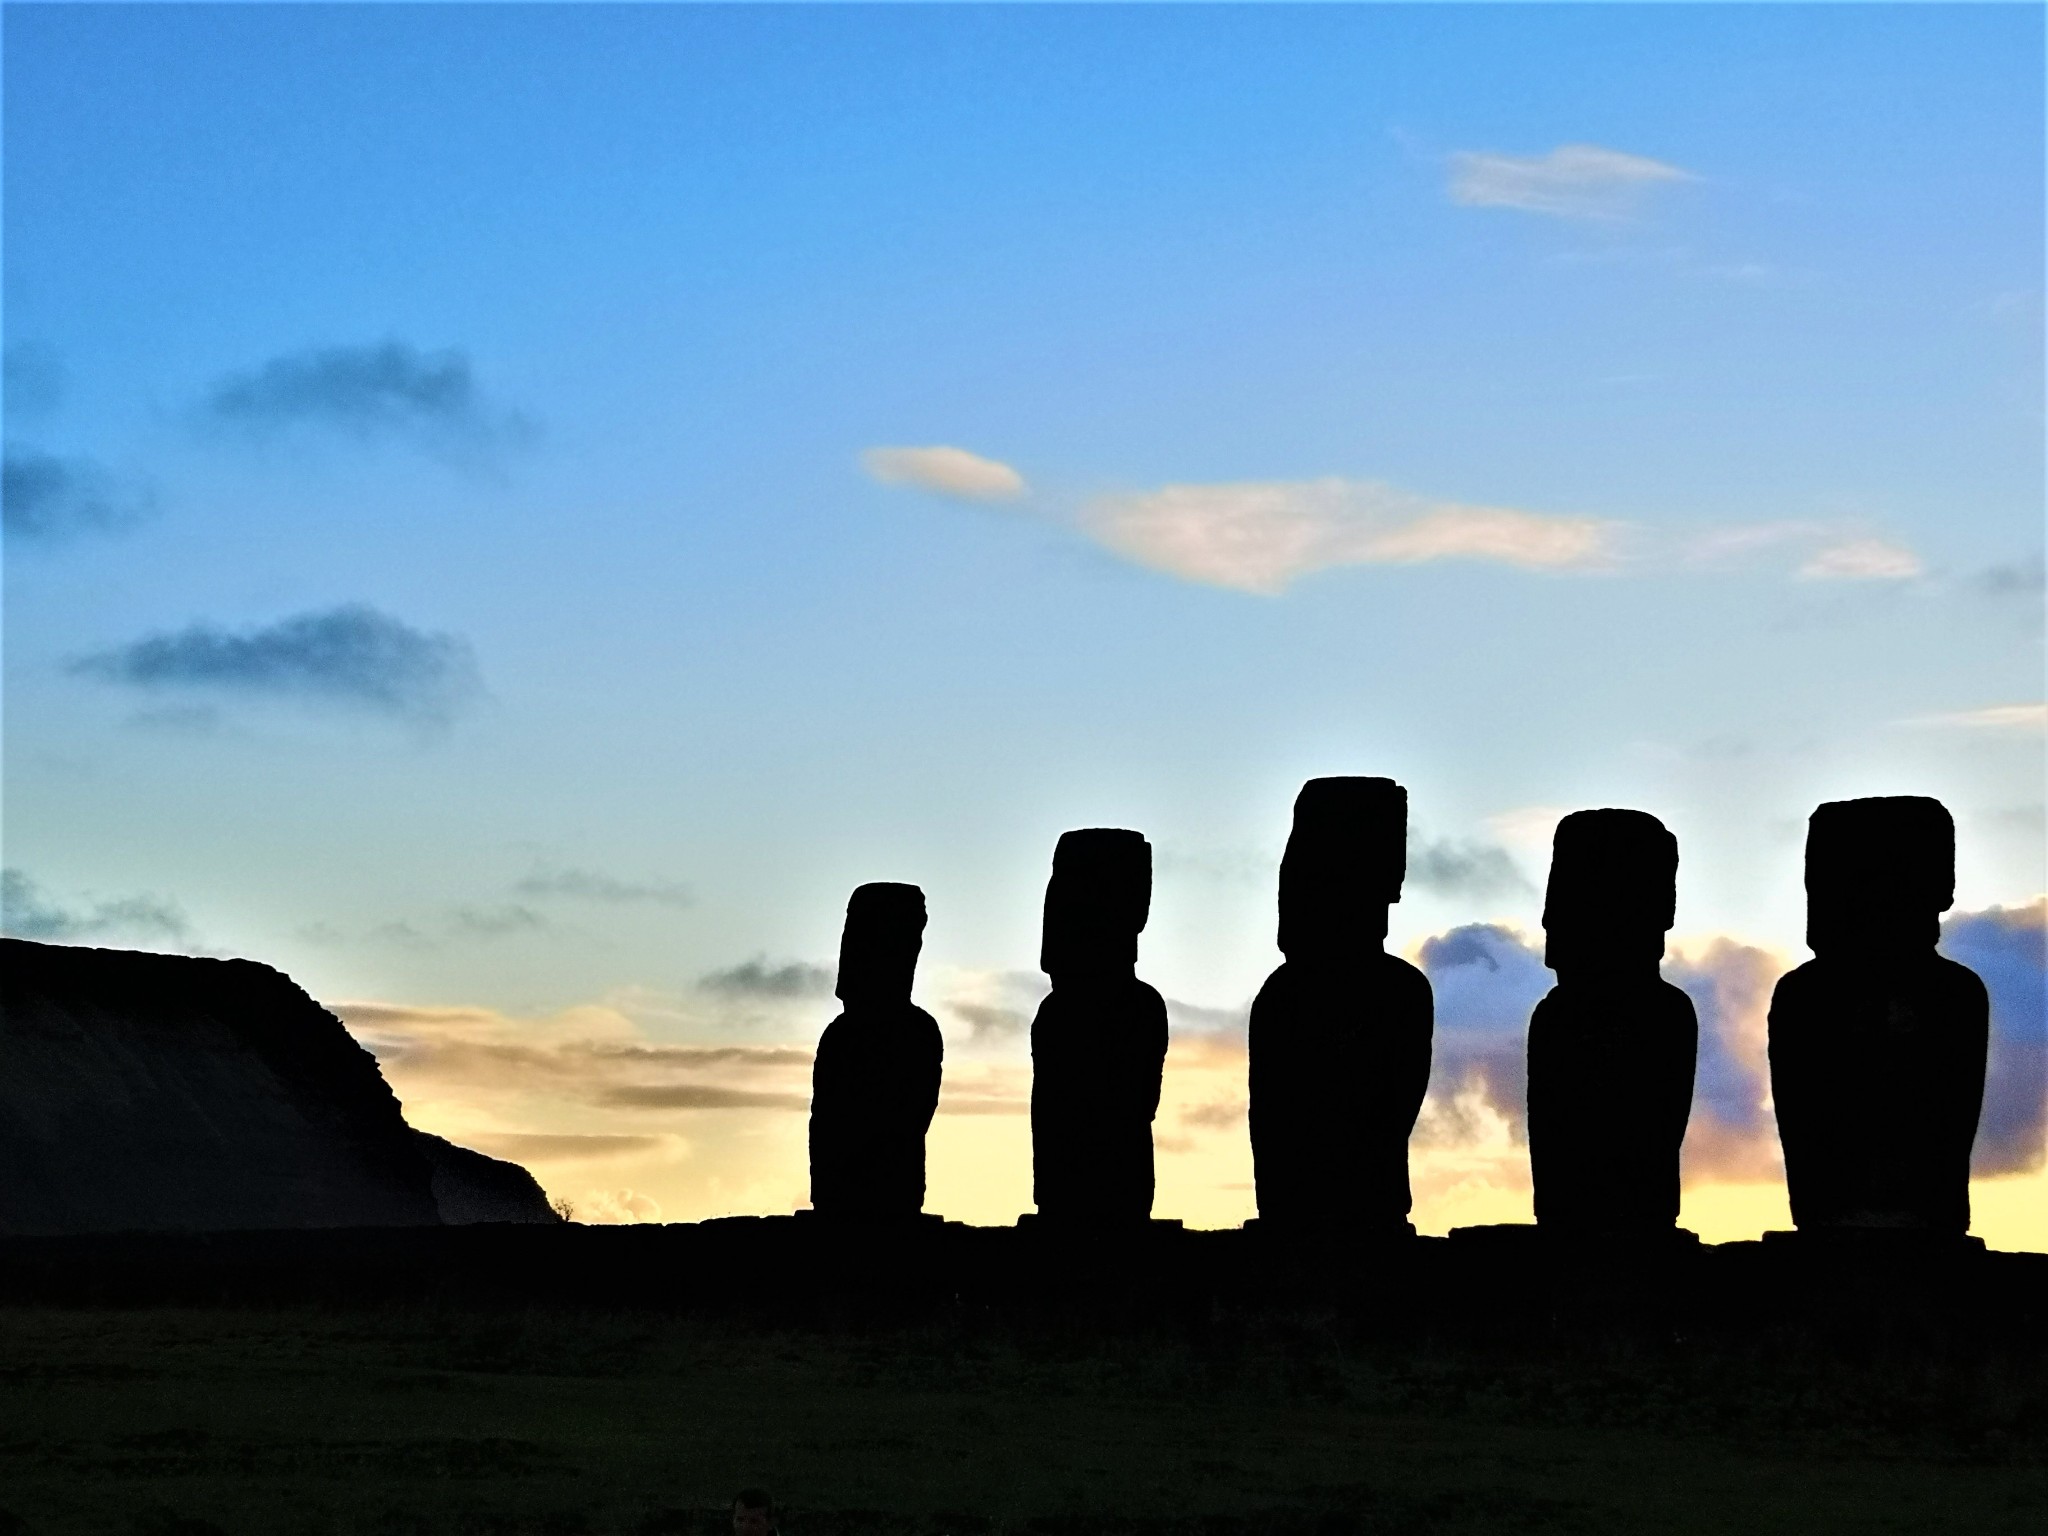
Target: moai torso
{"type": "Point", "coordinates": [1877, 1044]}
{"type": "Point", "coordinates": [1340, 1033]}
{"type": "Point", "coordinates": [1098, 1043]}
{"type": "Point", "coordinates": [1613, 1046]}
{"type": "Point", "coordinates": [875, 1080]}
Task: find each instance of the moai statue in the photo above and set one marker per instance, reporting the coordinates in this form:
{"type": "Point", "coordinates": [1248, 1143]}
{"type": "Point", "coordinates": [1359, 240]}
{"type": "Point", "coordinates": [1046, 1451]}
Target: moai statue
{"type": "Point", "coordinates": [1098, 1044]}
{"type": "Point", "coordinates": [1340, 1033]}
{"type": "Point", "coordinates": [875, 1082]}
{"type": "Point", "coordinates": [1613, 1046]}
{"type": "Point", "coordinates": [1877, 1044]}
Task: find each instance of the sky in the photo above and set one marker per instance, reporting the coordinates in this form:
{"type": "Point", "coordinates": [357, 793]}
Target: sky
{"type": "Point", "coordinates": [512, 512]}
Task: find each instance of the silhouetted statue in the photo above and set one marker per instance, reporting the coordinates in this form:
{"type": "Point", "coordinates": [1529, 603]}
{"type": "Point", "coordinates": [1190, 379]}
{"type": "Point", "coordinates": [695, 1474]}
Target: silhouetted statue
{"type": "Point", "coordinates": [1098, 1044]}
{"type": "Point", "coordinates": [875, 1082]}
{"type": "Point", "coordinates": [1613, 1046]}
{"type": "Point", "coordinates": [1877, 1044]}
{"type": "Point", "coordinates": [1340, 1033]}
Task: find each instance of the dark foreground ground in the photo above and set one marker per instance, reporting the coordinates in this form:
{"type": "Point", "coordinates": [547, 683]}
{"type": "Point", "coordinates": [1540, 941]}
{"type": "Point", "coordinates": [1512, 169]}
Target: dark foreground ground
{"type": "Point", "coordinates": [1193, 1387]}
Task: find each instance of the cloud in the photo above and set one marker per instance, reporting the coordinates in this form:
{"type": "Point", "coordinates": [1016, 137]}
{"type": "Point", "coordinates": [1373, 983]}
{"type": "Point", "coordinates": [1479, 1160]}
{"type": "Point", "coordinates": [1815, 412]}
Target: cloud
{"type": "Point", "coordinates": [2008, 948]}
{"type": "Point", "coordinates": [1732, 1136]}
{"type": "Point", "coordinates": [2014, 578]}
{"type": "Point", "coordinates": [1204, 1020]}
{"type": "Point", "coordinates": [621, 1207]}
{"type": "Point", "coordinates": [592, 1056]}
{"type": "Point", "coordinates": [495, 922]}
{"type": "Point", "coordinates": [589, 885]}
{"type": "Point", "coordinates": [351, 655]}
{"type": "Point", "coordinates": [1528, 828]}
{"type": "Point", "coordinates": [28, 912]}
{"type": "Point", "coordinates": [1573, 181]}
{"type": "Point", "coordinates": [1258, 536]}
{"type": "Point", "coordinates": [1487, 980]}
{"type": "Point", "coordinates": [409, 1016]}
{"type": "Point", "coordinates": [756, 978]}
{"type": "Point", "coordinates": [522, 1147]}
{"type": "Point", "coordinates": [970, 1104]}
{"type": "Point", "coordinates": [1862, 560]}
{"type": "Point", "coordinates": [948, 471]}
{"type": "Point", "coordinates": [1464, 869]}
{"type": "Point", "coordinates": [1823, 550]}
{"type": "Point", "coordinates": [996, 1006]}
{"type": "Point", "coordinates": [45, 499]}
{"type": "Point", "coordinates": [699, 1096]}
{"type": "Point", "coordinates": [1994, 717]}
{"type": "Point", "coordinates": [989, 1021]}
{"type": "Point", "coordinates": [390, 389]}
{"type": "Point", "coordinates": [1215, 1115]}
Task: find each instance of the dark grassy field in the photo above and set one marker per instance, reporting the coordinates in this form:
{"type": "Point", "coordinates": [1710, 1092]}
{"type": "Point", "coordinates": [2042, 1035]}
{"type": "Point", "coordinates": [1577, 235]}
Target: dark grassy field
{"type": "Point", "coordinates": [423, 1418]}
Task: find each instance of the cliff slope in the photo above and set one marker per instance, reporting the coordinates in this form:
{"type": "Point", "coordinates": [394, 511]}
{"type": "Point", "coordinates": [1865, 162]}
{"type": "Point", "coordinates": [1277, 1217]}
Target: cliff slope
{"type": "Point", "coordinates": [144, 1092]}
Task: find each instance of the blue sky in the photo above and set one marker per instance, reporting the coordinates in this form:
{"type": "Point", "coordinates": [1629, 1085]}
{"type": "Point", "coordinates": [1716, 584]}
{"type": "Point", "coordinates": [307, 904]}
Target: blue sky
{"type": "Point", "coordinates": [1548, 407]}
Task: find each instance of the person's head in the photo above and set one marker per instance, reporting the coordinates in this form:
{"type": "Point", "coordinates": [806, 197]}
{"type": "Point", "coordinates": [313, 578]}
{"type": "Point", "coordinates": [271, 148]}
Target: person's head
{"type": "Point", "coordinates": [753, 1513]}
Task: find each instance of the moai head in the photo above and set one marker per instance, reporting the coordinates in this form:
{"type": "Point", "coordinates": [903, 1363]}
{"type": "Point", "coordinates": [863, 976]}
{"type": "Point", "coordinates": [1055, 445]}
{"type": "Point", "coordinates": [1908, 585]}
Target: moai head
{"type": "Point", "coordinates": [1612, 893]}
{"type": "Point", "coordinates": [1343, 867]}
{"type": "Point", "coordinates": [1879, 874]}
{"type": "Point", "coordinates": [1096, 902]}
{"type": "Point", "coordinates": [878, 947]}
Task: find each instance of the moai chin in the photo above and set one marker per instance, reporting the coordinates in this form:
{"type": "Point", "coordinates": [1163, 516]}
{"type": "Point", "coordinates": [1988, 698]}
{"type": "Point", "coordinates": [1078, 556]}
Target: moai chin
{"type": "Point", "coordinates": [1340, 1033]}
{"type": "Point", "coordinates": [1098, 1043]}
{"type": "Point", "coordinates": [1877, 1044]}
{"type": "Point", "coordinates": [875, 1081]}
{"type": "Point", "coordinates": [1613, 1046]}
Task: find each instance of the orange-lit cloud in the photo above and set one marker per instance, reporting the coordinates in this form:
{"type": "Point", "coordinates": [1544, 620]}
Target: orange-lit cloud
{"type": "Point", "coordinates": [948, 471]}
{"type": "Point", "coordinates": [1260, 536]}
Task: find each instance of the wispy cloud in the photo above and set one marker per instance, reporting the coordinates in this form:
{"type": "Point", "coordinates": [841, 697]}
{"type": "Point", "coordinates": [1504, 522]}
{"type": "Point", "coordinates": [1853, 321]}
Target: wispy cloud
{"type": "Point", "coordinates": [1573, 181]}
{"type": "Point", "coordinates": [496, 922]}
{"type": "Point", "coordinates": [996, 1006]}
{"type": "Point", "coordinates": [45, 499]}
{"type": "Point", "coordinates": [591, 885]}
{"type": "Point", "coordinates": [1259, 536]}
{"type": "Point", "coordinates": [352, 655]}
{"type": "Point", "coordinates": [756, 978]}
{"type": "Point", "coordinates": [699, 1096]}
{"type": "Point", "coordinates": [1463, 868]}
{"type": "Point", "coordinates": [2013, 578]}
{"type": "Point", "coordinates": [1993, 717]}
{"type": "Point", "coordinates": [27, 911]}
{"type": "Point", "coordinates": [385, 390]}
{"type": "Point", "coordinates": [1862, 560]}
{"type": "Point", "coordinates": [540, 1147]}
{"type": "Point", "coordinates": [1815, 550]}
{"type": "Point", "coordinates": [948, 471]}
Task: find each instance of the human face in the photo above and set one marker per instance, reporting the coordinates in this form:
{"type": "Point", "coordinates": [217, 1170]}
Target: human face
{"type": "Point", "coordinates": [749, 1521]}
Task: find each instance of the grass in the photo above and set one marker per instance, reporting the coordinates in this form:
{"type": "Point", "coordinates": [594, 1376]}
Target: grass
{"type": "Point", "coordinates": [559, 1422]}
